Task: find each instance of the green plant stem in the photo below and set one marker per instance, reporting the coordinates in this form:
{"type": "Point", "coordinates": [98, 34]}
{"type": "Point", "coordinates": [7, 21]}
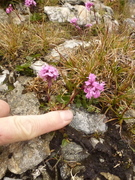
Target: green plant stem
{"type": "Point", "coordinates": [48, 90]}
{"type": "Point", "coordinates": [18, 15]}
{"type": "Point", "coordinates": [71, 98]}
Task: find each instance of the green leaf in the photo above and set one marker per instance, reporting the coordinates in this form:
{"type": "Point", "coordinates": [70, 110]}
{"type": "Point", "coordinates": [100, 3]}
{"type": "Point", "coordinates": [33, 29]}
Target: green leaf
{"type": "Point", "coordinates": [64, 99]}
{"type": "Point", "coordinates": [25, 69]}
{"type": "Point", "coordinates": [133, 130]}
{"type": "Point", "coordinates": [132, 148]}
{"type": "Point", "coordinates": [29, 58]}
{"type": "Point", "coordinates": [64, 142]}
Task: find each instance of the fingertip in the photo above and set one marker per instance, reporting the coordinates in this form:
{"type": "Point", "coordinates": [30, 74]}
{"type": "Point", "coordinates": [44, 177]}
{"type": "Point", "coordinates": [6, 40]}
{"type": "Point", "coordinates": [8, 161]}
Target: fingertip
{"type": "Point", "coordinates": [66, 116]}
{"type": "Point", "coordinates": [4, 108]}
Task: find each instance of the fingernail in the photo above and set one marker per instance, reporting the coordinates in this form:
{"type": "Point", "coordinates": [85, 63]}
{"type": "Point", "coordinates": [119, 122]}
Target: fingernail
{"type": "Point", "coordinates": [66, 115]}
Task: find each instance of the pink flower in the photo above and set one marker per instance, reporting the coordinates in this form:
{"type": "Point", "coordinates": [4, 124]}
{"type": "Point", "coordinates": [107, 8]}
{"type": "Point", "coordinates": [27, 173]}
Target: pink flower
{"type": "Point", "coordinates": [9, 9]}
{"type": "Point", "coordinates": [74, 21]}
{"type": "Point", "coordinates": [88, 5]}
{"type": "Point", "coordinates": [29, 3]}
{"type": "Point", "coordinates": [78, 27]}
{"type": "Point", "coordinates": [48, 73]}
{"type": "Point", "coordinates": [91, 78]}
{"type": "Point", "coordinates": [88, 25]}
{"type": "Point", "coordinates": [92, 88]}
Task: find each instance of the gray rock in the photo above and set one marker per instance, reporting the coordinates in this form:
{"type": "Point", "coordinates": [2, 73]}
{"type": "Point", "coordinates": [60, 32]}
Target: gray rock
{"type": "Point", "coordinates": [3, 97]}
{"type": "Point", "coordinates": [3, 162]}
{"type": "Point", "coordinates": [27, 155]}
{"type": "Point", "coordinates": [23, 80]}
{"type": "Point", "coordinates": [100, 6]}
{"type": "Point", "coordinates": [22, 104]}
{"type": "Point", "coordinates": [21, 15]}
{"type": "Point", "coordinates": [36, 66]}
{"type": "Point", "coordinates": [94, 142]}
{"type": "Point", "coordinates": [41, 170]}
{"type": "Point", "coordinates": [89, 123]}
{"type": "Point", "coordinates": [59, 14]}
{"type": "Point", "coordinates": [73, 152]}
{"type": "Point", "coordinates": [3, 76]}
{"type": "Point", "coordinates": [22, 156]}
{"type": "Point", "coordinates": [129, 117]}
{"type": "Point", "coordinates": [65, 171]}
{"type": "Point", "coordinates": [86, 17]}
{"type": "Point", "coordinates": [66, 49]}
{"type": "Point", "coordinates": [14, 18]}
{"type": "Point", "coordinates": [66, 12]}
{"type": "Point", "coordinates": [110, 24]}
{"type": "Point", "coordinates": [77, 169]}
{"type": "Point", "coordinates": [73, 2]}
{"type": "Point", "coordinates": [3, 16]}
{"type": "Point", "coordinates": [130, 22]}
{"type": "Point", "coordinates": [3, 87]}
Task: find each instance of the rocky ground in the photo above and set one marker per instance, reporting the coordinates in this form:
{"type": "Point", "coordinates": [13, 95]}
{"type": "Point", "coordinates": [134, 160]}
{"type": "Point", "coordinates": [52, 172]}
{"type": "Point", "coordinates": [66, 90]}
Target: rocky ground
{"type": "Point", "coordinates": [90, 148]}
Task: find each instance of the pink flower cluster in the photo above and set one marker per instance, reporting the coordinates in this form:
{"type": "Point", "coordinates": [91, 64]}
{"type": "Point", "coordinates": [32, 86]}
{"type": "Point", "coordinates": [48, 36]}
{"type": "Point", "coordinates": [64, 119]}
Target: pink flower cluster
{"type": "Point", "coordinates": [88, 5]}
{"type": "Point", "coordinates": [29, 3]}
{"type": "Point", "coordinates": [74, 22]}
{"type": "Point", "coordinates": [48, 73]}
{"type": "Point", "coordinates": [9, 9]}
{"type": "Point", "coordinates": [92, 88]}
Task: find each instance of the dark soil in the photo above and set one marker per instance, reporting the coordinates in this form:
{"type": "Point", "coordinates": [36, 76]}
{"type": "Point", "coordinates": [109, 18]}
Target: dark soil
{"type": "Point", "coordinates": [118, 158]}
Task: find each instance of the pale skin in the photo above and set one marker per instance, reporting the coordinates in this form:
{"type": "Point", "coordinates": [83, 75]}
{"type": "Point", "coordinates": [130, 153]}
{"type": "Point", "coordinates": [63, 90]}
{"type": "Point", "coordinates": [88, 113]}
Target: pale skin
{"type": "Point", "coordinates": [21, 128]}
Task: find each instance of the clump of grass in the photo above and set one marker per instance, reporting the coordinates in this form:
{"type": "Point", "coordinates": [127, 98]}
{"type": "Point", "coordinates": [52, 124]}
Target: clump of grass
{"type": "Point", "coordinates": [26, 39]}
{"type": "Point", "coordinates": [11, 40]}
{"type": "Point", "coordinates": [111, 58]}
{"type": "Point", "coordinates": [120, 7]}
{"type": "Point", "coordinates": [48, 2]}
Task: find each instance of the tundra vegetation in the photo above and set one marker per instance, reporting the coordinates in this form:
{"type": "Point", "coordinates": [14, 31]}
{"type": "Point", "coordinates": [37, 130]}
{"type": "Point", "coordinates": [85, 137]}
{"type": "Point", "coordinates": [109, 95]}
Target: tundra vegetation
{"type": "Point", "coordinates": [111, 59]}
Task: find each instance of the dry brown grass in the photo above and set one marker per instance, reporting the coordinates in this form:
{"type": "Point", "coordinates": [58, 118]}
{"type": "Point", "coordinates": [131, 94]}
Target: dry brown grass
{"type": "Point", "coordinates": [29, 39]}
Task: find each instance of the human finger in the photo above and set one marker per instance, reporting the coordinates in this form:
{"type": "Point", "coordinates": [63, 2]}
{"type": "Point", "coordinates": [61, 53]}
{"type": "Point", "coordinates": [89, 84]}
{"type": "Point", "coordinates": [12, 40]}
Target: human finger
{"type": "Point", "coordinates": [21, 128]}
{"type": "Point", "coordinates": [4, 108]}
